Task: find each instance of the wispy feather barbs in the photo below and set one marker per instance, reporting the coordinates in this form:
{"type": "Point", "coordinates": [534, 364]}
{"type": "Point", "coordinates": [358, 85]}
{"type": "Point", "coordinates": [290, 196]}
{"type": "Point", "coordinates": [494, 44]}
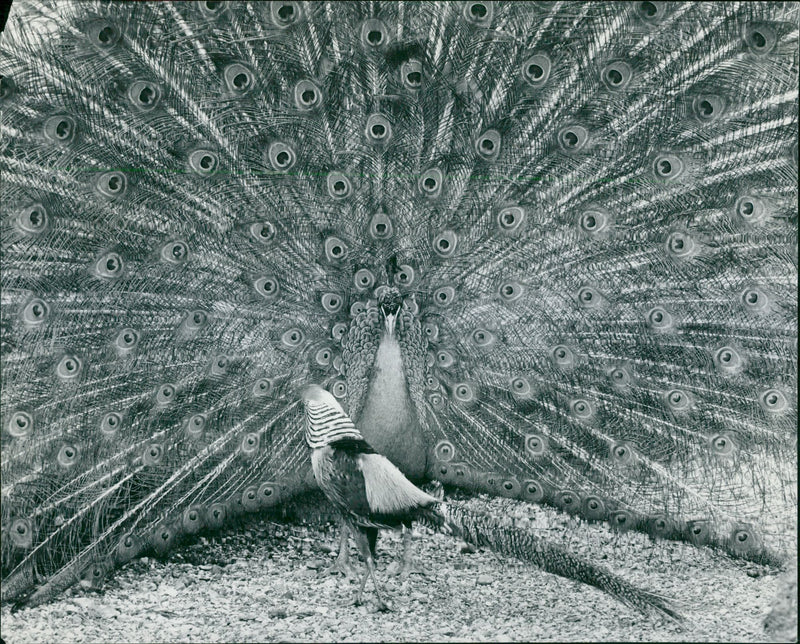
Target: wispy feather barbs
{"type": "Point", "coordinates": [588, 211]}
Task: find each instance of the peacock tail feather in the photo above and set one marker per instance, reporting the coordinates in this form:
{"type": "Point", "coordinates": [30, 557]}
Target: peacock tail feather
{"type": "Point", "coordinates": [590, 210]}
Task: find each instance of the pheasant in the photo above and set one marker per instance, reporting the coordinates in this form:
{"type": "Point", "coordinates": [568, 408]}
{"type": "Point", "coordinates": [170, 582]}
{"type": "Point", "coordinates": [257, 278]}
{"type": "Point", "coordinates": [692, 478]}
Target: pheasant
{"type": "Point", "coordinates": [579, 220]}
{"type": "Point", "coordinates": [371, 493]}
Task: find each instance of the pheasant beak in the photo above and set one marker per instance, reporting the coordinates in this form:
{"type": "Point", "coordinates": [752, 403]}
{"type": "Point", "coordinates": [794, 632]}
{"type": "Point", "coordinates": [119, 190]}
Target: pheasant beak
{"type": "Point", "coordinates": [312, 393]}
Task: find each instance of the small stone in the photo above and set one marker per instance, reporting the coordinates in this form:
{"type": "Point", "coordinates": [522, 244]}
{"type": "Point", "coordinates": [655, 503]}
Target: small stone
{"type": "Point", "coordinates": [468, 548]}
{"type": "Point", "coordinates": [393, 569]}
{"type": "Point", "coordinates": [84, 602]}
{"type": "Point", "coordinates": [485, 580]}
{"type": "Point", "coordinates": [105, 612]}
{"type": "Point", "coordinates": [277, 612]}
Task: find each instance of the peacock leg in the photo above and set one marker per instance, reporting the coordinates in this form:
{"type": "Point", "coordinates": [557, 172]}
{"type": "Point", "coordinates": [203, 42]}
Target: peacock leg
{"type": "Point", "coordinates": [408, 565]}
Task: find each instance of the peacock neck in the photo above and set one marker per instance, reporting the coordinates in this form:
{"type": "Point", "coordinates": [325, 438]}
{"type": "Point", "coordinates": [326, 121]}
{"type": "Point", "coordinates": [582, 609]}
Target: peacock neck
{"type": "Point", "coordinates": [389, 420]}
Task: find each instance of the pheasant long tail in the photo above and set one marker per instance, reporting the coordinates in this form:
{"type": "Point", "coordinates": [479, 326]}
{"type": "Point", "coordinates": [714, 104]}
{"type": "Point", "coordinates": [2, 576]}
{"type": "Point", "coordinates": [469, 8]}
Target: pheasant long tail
{"type": "Point", "coordinates": [483, 530]}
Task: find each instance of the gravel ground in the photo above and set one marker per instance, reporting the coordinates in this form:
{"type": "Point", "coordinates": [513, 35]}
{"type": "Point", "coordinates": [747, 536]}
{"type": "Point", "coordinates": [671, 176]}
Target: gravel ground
{"type": "Point", "coordinates": [268, 581]}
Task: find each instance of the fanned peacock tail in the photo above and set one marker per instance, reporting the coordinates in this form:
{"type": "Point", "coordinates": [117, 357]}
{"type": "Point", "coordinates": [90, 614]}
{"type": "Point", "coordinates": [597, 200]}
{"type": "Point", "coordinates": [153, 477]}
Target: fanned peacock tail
{"type": "Point", "coordinates": [589, 210]}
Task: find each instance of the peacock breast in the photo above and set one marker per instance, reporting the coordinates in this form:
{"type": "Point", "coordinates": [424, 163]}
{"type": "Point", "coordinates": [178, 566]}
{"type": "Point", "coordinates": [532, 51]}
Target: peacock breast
{"type": "Point", "coordinates": [389, 420]}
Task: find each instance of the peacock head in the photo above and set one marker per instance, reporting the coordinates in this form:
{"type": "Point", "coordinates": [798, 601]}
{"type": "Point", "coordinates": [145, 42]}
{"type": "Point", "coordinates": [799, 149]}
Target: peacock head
{"type": "Point", "coordinates": [326, 421]}
{"type": "Point", "coordinates": [389, 303]}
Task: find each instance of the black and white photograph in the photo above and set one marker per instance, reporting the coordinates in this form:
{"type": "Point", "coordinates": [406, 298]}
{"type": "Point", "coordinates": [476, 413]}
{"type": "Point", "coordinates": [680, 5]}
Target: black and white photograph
{"type": "Point", "coordinates": [398, 321]}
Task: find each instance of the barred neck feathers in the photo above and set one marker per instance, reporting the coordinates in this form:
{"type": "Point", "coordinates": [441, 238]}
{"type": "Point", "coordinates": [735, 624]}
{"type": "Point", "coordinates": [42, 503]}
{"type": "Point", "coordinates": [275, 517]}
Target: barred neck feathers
{"type": "Point", "coordinates": [326, 421]}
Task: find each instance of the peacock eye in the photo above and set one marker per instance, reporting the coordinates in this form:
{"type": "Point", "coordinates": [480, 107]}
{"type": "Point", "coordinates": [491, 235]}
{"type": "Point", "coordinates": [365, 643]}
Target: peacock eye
{"type": "Point", "coordinates": [60, 129]}
{"type": "Point", "coordinates": [573, 138]}
{"type": "Point", "coordinates": [563, 356]}
{"type": "Point", "coordinates": [667, 167]}
{"type": "Point", "coordinates": [69, 368]}
{"type": "Point", "coordinates": [444, 451]}
{"type": "Point", "coordinates": [727, 359]}
{"type": "Point", "coordinates": [680, 245]}
{"type": "Point", "coordinates": [339, 389]}
{"type": "Point", "coordinates": [332, 302]}
{"type": "Point", "coordinates": [104, 34]}
{"type": "Point", "coordinates": [536, 70]}
{"type": "Point", "coordinates": [20, 424]}
{"type": "Point", "coordinates": [33, 219]}
{"type": "Point", "coordinates": [520, 386]}
{"type": "Point", "coordinates": [773, 401]}
{"type": "Point", "coordinates": [511, 218]}
{"type": "Point", "coordinates": [445, 243]}
{"type": "Point", "coordinates": [536, 445]}
{"type": "Point", "coordinates": [444, 296]}
{"type": "Point", "coordinates": [430, 182]}
{"type": "Point", "coordinates": [478, 13]}
{"type": "Point", "coordinates": [378, 129]}
{"type": "Point", "coordinates": [411, 75]}
{"type": "Point", "coordinates": [464, 392]}
{"type": "Point", "coordinates": [267, 286]}
{"type": "Point", "coordinates": [281, 156]}
{"type": "Point", "coordinates": [380, 226]}
{"type": "Point", "coordinates": [488, 145]}
{"type": "Point", "coordinates": [176, 252]}
{"type": "Point", "coordinates": [307, 95]}
{"type": "Point", "coordinates": [292, 338]}
{"type": "Point", "coordinates": [406, 275]}
{"type": "Point", "coordinates": [511, 291]}
{"type": "Point", "coordinates": [335, 249]}
{"type": "Point", "coordinates": [35, 312]}
{"type": "Point", "coordinates": [111, 185]}
{"type": "Point", "coordinates": [284, 14]}
{"type": "Point", "coordinates": [338, 185]}
{"type": "Point", "coordinates": [760, 38]}
{"type": "Point", "coordinates": [617, 75]}
{"type": "Point", "coordinates": [373, 33]}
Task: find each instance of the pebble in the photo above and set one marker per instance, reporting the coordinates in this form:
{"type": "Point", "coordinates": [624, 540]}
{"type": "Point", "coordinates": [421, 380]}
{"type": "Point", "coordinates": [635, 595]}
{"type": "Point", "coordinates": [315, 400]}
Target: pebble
{"type": "Point", "coordinates": [104, 612]}
{"type": "Point", "coordinates": [485, 580]}
{"type": "Point", "coordinates": [271, 601]}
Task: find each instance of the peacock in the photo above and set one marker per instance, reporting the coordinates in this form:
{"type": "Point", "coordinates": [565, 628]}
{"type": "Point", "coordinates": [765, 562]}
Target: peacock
{"type": "Point", "coordinates": [537, 250]}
